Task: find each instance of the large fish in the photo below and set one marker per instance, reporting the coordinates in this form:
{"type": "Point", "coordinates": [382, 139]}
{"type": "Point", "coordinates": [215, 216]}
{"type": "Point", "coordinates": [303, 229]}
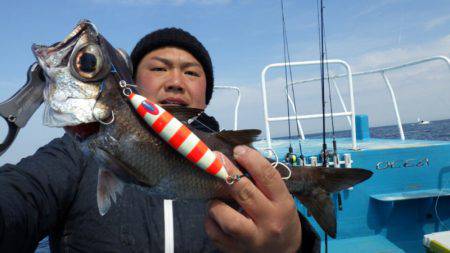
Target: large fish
{"type": "Point", "coordinates": [83, 73]}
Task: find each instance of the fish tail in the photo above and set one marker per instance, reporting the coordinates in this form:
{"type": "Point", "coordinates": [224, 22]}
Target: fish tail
{"type": "Point", "coordinates": [313, 186]}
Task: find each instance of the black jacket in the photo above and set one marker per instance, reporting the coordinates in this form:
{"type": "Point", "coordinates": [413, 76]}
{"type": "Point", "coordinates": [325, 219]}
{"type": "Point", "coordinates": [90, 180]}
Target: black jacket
{"type": "Point", "coordinates": [53, 193]}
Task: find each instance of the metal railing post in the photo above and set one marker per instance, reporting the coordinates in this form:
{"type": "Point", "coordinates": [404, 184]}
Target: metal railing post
{"type": "Point", "coordinates": [238, 101]}
{"type": "Point", "coordinates": [266, 114]}
{"type": "Point", "coordinates": [342, 100]}
{"type": "Point", "coordinates": [394, 100]}
{"type": "Point", "coordinates": [302, 135]}
{"type": "Point", "coordinates": [352, 103]}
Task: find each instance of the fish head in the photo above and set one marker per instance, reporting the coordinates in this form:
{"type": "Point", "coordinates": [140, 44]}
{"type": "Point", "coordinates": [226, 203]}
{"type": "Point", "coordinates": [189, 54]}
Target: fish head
{"type": "Point", "coordinates": [75, 70]}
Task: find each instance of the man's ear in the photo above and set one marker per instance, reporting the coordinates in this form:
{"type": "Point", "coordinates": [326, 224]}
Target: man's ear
{"type": "Point", "coordinates": [126, 58]}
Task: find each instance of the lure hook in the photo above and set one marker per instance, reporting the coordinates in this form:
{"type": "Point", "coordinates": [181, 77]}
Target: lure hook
{"type": "Point", "coordinates": [104, 122]}
{"type": "Point", "coordinates": [275, 164]}
{"type": "Point", "coordinates": [233, 179]}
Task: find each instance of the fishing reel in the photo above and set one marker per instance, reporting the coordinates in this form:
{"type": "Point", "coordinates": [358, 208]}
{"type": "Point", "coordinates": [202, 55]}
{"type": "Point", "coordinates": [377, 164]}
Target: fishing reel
{"type": "Point", "coordinates": [290, 157]}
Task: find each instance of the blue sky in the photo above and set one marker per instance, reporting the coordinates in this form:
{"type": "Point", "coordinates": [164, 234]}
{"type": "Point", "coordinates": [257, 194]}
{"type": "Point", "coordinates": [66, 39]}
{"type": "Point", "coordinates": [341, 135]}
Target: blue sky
{"type": "Point", "coordinates": [243, 37]}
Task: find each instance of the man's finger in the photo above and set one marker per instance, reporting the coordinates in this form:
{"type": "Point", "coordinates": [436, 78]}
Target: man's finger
{"type": "Point", "coordinates": [267, 178]}
{"type": "Point", "coordinates": [220, 239]}
{"type": "Point", "coordinates": [230, 221]}
{"type": "Point", "coordinates": [246, 193]}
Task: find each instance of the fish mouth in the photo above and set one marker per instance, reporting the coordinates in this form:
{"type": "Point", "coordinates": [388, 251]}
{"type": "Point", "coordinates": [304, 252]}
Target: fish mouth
{"type": "Point", "coordinates": [42, 51]}
{"type": "Point", "coordinates": [173, 102]}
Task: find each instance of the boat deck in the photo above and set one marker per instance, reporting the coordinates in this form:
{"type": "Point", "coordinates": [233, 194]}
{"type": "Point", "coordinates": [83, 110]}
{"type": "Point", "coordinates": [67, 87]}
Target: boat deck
{"type": "Point", "coordinates": [406, 198]}
{"type": "Point", "coordinates": [314, 146]}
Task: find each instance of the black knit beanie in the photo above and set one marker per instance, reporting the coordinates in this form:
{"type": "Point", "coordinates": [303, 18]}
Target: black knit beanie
{"type": "Point", "coordinates": [179, 38]}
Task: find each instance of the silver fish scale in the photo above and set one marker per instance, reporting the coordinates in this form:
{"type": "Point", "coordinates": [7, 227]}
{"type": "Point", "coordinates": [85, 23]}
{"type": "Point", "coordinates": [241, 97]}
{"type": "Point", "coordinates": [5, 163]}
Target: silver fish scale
{"type": "Point", "coordinates": [67, 94]}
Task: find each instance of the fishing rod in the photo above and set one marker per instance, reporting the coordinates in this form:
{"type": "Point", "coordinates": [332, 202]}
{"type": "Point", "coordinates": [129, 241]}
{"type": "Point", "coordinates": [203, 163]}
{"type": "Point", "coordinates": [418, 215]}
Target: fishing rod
{"type": "Point", "coordinates": [335, 153]}
{"type": "Point", "coordinates": [290, 156]}
{"type": "Point", "coordinates": [336, 163]}
{"type": "Point", "coordinates": [322, 86]}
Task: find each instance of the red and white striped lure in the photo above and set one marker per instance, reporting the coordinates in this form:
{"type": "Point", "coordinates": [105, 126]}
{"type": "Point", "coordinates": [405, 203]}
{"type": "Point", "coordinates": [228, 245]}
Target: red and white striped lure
{"type": "Point", "coordinates": [178, 136]}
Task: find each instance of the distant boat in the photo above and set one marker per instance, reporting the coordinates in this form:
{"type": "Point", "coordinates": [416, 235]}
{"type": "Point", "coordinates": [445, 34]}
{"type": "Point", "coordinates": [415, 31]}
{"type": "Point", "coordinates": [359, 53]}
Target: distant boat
{"type": "Point", "coordinates": [422, 122]}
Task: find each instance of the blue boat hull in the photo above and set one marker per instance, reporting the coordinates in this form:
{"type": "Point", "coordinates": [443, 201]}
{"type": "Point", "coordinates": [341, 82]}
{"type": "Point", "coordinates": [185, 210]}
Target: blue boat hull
{"type": "Point", "coordinates": [393, 210]}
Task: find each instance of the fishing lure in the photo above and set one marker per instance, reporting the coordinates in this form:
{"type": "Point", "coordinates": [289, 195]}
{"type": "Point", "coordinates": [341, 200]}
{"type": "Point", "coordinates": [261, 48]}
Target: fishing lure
{"type": "Point", "coordinates": [179, 137]}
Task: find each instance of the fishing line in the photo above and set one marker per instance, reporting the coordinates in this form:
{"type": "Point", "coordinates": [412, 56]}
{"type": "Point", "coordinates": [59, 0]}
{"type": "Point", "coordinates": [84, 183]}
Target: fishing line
{"type": "Point", "coordinates": [152, 113]}
{"type": "Point", "coordinates": [285, 75]}
{"type": "Point", "coordinates": [125, 86]}
{"type": "Point", "coordinates": [140, 88]}
{"type": "Point", "coordinates": [127, 90]}
{"type": "Point", "coordinates": [189, 121]}
{"type": "Point", "coordinates": [102, 86]}
{"type": "Point", "coordinates": [436, 211]}
{"type": "Point", "coordinates": [195, 118]}
{"type": "Point", "coordinates": [114, 71]}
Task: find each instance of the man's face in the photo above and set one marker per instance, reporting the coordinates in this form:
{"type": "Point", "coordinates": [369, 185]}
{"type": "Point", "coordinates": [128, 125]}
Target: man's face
{"type": "Point", "coordinates": [171, 75]}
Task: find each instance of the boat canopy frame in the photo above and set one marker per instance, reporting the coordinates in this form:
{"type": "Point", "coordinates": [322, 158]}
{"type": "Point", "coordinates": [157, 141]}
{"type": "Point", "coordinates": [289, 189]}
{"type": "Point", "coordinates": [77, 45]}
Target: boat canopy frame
{"type": "Point", "coordinates": [238, 100]}
{"type": "Point", "coordinates": [296, 115]}
{"type": "Point", "coordinates": [350, 114]}
{"type": "Point", "coordinates": [383, 72]}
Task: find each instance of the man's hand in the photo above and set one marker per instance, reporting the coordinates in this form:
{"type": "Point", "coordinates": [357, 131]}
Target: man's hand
{"type": "Point", "coordinates": [269, 221]}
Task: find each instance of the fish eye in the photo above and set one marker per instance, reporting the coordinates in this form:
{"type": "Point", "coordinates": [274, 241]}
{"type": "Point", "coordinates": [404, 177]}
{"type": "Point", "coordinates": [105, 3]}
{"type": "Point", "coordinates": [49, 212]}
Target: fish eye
{"type": "Point", "coordinates": [88, 61]}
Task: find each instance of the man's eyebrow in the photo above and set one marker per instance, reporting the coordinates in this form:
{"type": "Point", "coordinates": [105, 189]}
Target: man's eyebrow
{"type": "Point", "coordinates": [163, 60]}
{"type": "Point", "coordinates": [168, 62]}
{"type": "Point", "coordinates": [190, 64]}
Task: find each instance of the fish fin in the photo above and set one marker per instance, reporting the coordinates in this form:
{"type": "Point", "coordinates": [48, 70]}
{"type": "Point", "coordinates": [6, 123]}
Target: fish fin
{"type": "Point", "coordinates": [341, 179]}
{"type": "Point", "coordinates": [113, 164]}
{"type": "Point", "coordinates": [312, 186]}
{"type": "Point", "coordinates": [111, 179]}
{"type": "Point", "coordinates": [239, 137]}
{"type": "Point", "coordinates": [182, 113]}
{"type": "Point", "coordinates": [338, 179]}
{"type": "Point", "coordinates": [322, 209]}
{"type": "Point", "coordinates": [108, 186]}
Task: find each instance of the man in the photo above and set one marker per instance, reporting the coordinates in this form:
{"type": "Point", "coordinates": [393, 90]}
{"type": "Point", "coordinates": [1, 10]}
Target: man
{"type": "Point", "coordinates": [53, 192]}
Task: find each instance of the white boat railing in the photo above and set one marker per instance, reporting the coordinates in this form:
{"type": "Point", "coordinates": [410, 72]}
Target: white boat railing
{"type": "Point", "coordinates": [297, 117]}
{"type": "Point", "coordinates": [386, 80]}
{"type": "Point", "coordinates": [238, 100]}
